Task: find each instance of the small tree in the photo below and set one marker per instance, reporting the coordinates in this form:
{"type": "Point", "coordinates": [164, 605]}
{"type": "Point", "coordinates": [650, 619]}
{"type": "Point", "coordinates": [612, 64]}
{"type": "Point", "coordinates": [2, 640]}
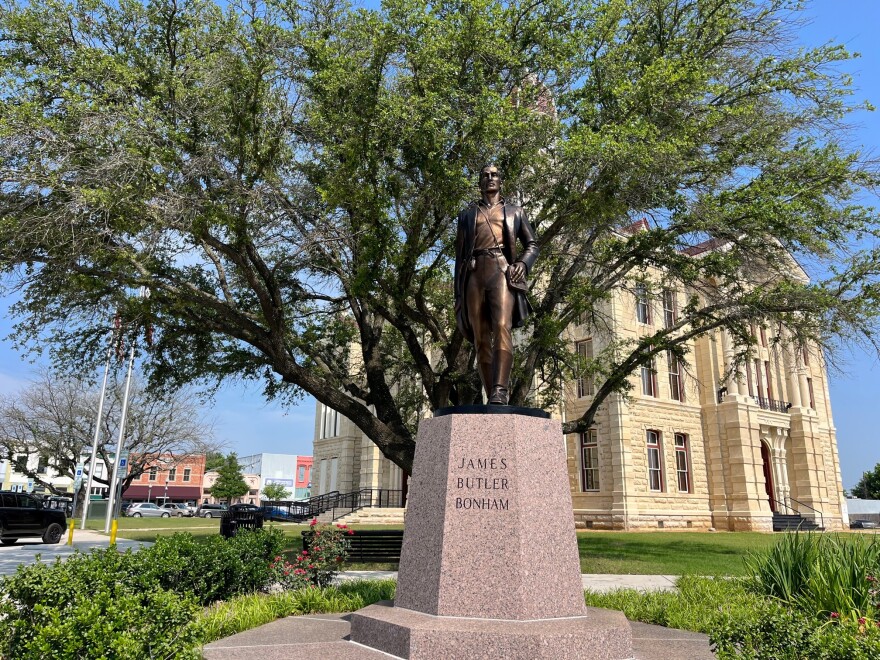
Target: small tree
{"type": "Point", "coordinates": [230, 482]}
{"type": "Point", "coordinates": [868, 487]}
{"type": "Point", "coordinates": [275, 492]}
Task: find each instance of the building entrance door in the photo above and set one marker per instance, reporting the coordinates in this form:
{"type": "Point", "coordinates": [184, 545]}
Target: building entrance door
{"type": "Point", "coordinates": [768, 475]}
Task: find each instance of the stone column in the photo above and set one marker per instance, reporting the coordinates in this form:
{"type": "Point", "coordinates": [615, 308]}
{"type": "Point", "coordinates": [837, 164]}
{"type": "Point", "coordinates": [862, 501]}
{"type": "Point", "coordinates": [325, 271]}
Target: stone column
{"type": "Point", "coordinates": [727, 348]}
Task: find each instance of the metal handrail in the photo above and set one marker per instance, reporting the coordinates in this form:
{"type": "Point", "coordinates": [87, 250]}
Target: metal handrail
{"type": "Point", "coordinates": [788, 507]}
{"type": "Point", "coordinates": [772, 404]}
{"type": "Point", "coordinates": [782, 504]}
{"type": "Point", "coordinates": [821, 517]}
{"type": "Point", "coordinates": [368, 498]}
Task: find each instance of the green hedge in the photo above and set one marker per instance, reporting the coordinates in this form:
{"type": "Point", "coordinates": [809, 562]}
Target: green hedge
{"type": "Point", "coordinates": [107, 604]}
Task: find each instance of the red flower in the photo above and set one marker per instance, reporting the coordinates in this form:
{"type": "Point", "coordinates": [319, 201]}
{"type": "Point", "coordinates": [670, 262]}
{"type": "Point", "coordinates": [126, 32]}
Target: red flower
{"type": "Point", "coordinates": [351, 532]}
{"type": "Point", "coordinates": [871, 578]}
{"type": "Point", "coordinates": [314, 522]}
{"type": "Point", "coordinates": [305, 552]}
{"type": "Point", "coordinates": [861, 620]}
{"type": "Point", "coordinates": [311, 565]}
{"type": "Point", "coordinates": [316, 549]}
{"type": "Point", "coordinates": [835, 615]}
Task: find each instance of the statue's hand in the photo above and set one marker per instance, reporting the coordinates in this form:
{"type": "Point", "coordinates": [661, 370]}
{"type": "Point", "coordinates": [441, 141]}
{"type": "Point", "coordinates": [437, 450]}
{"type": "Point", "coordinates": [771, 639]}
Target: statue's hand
{"type": "Point", "coordinates": [518, 271]}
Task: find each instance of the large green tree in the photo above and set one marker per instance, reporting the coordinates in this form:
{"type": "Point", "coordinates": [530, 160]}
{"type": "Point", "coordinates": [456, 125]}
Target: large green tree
{"type": "Point", "coordinates": [284, 178]}
{"type": "Point", "coordinates": [275, 492]}
{"type": "Point", "coordinates": [868, 487]}
{"type": "Point", "coordinates": [230, 482]}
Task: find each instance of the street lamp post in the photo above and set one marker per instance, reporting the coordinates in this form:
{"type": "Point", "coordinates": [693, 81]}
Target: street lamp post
{"type": "Point", "coordinates": [149, 492]}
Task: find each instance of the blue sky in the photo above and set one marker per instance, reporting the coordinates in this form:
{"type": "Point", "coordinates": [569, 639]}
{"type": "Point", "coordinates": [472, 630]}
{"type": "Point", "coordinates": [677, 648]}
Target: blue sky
{"type": "Point", "coordinates": [248, 425]}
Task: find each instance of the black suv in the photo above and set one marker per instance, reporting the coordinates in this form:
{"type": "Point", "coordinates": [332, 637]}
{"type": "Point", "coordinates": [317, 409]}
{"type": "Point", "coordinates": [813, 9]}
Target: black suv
{"type": "Point", "coordinates": [22, 515]}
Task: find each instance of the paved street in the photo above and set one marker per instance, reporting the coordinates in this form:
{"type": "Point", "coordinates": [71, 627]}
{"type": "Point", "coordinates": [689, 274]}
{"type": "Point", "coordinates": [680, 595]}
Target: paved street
{"type": "Point", "coordinates": [25, 551]}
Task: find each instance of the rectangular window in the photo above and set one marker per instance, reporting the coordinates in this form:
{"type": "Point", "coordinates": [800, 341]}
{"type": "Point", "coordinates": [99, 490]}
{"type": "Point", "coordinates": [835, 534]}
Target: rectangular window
{"type": "Point", "coordinates": [585, 353]}
{"type": "Point", "coordinates": [154, 473]}
{"type": "Point", "coordinates": [670, 310]}
{"type": "Point", "coordinates": [763, 336]}
{"type": "Point", "coordinates": [682, 464]}
{"type": "Point", "coordinates": [768, 380]}
{"type": "Point", "coordinates": [186, 473]}
{"type": "Point", "coordinates": [806, 353]}
{"type": "Point", "coordinates": [331, 423]}
{"type": "Point", "coordinates": [759, 385]}
{"type": "Point", "coordinates": [649, 379]}
{"type": "Point", "coordinates": [589, 461]}
{"type": "Point", "coordinates": [749, 379]}
{"type": "Point", "coordinates": [302, 473]}
{"type": "Point", "coordinates": [172, 475]}
{"type": "Point", "coordinates": [643, 309]}
{"type": "Point", "coordinates": [676, 391]}
{"type": "Point", "coordinates": [655, 464]}
{"type": "Point", "coordinates": [812, 398]}
{"type": "Point", "coordinates": [42, 465]}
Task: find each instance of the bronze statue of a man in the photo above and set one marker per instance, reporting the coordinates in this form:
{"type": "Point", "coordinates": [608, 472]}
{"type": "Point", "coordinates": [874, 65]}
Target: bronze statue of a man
{"type": "Point", "coordinates": [490, 289]}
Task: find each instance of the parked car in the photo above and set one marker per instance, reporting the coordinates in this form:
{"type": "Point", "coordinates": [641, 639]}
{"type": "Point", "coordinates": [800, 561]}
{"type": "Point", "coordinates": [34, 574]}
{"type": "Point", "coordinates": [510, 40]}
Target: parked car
{"type": "Point", "coordinates": [211, 510]}
{"type": "Point", "coordinates": [146, 510]}
{"type": "Point", "coordinates": [863, 524]}
{"type": "Point", "coordinates": [22, 516]}
{"type": "Point", "coordinates": [179, 510]}
{"type": "Point", "coordinates": [62, 503]}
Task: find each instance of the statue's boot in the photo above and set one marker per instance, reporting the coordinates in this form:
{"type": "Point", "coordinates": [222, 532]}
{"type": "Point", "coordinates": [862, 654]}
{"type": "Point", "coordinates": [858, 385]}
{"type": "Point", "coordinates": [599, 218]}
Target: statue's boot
{"type": "Point", "coordinates": [501, 381]}
{"type": "Point", "coordinates": [487, 377]}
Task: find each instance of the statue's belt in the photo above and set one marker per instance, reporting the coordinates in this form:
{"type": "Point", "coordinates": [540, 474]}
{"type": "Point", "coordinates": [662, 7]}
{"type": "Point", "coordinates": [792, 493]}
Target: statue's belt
{"type": "Point", "coordinates": [493, 251]}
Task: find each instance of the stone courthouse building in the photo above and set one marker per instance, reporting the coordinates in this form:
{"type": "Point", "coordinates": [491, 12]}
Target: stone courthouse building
{"type": "Point", "coordinates": [685, 448]}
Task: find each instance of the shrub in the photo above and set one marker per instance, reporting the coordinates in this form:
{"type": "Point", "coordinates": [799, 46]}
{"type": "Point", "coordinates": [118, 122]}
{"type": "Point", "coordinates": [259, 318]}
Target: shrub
{"type": "Point", "coordinates": [782, 633]}
{"type": "Point", "coordinates": [318, 564]}
{"type": "Point", "coordinates": [215, 568]}
{"type": "Point", "coordinates": [96, 605]}
{"type": "Point", "coordinates": [820, 574]}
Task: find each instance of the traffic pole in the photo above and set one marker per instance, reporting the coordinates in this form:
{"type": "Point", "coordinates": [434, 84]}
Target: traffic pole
{"type": "Point", "coordinates": [70, 528]}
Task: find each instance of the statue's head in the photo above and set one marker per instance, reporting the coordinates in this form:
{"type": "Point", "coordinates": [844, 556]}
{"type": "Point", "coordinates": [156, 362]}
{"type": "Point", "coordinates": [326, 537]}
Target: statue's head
{"type": "Point", "coordinates": [490, 179]}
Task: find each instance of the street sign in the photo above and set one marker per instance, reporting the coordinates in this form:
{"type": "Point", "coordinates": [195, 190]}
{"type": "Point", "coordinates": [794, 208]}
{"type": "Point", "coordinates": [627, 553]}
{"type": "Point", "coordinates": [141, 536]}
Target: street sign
{"type": "Point", "coordinates": [123, 462]}
{"type": "Point", "coordinates": [30, 486]}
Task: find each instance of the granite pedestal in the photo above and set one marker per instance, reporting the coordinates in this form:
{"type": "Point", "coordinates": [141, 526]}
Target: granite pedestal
{"type": "Point", "coordinates": [489, 566]}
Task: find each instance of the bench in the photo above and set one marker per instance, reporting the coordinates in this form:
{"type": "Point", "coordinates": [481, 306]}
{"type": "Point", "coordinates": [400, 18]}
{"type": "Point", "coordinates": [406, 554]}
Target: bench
{"type": "Point", "coordinates": [369, 545]}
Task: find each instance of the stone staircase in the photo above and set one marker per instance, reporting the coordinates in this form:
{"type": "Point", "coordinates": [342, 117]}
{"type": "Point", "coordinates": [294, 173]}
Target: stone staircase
{"type": "Point", "coordinates": [793, 522]}
{"type": "Point", "coordinates": [373, 516]}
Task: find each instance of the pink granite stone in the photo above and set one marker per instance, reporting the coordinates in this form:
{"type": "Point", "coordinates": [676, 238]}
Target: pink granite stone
{"type": "Point", "coordinates": [489, 526]}
{"type": "Point", "coordinates": [598, 635]}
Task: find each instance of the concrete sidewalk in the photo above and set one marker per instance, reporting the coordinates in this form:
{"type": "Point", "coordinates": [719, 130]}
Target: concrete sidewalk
{"type": "Point", "coordinates": [25, 551]}
{"type": "Point", "coordinates": [325, 636]}
{"type": "Point", "coordinates": [594, 582]}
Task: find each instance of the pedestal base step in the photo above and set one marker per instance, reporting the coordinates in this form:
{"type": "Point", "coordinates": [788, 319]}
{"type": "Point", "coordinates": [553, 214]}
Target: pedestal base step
{"type": "Point", "coordinates": [600, 635]}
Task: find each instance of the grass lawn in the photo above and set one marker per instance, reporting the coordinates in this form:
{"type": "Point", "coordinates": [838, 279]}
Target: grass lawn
{"type": "Point", "coordinates": [669, 553]}
{"type": "Point", "coordinates": [641, 553]}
